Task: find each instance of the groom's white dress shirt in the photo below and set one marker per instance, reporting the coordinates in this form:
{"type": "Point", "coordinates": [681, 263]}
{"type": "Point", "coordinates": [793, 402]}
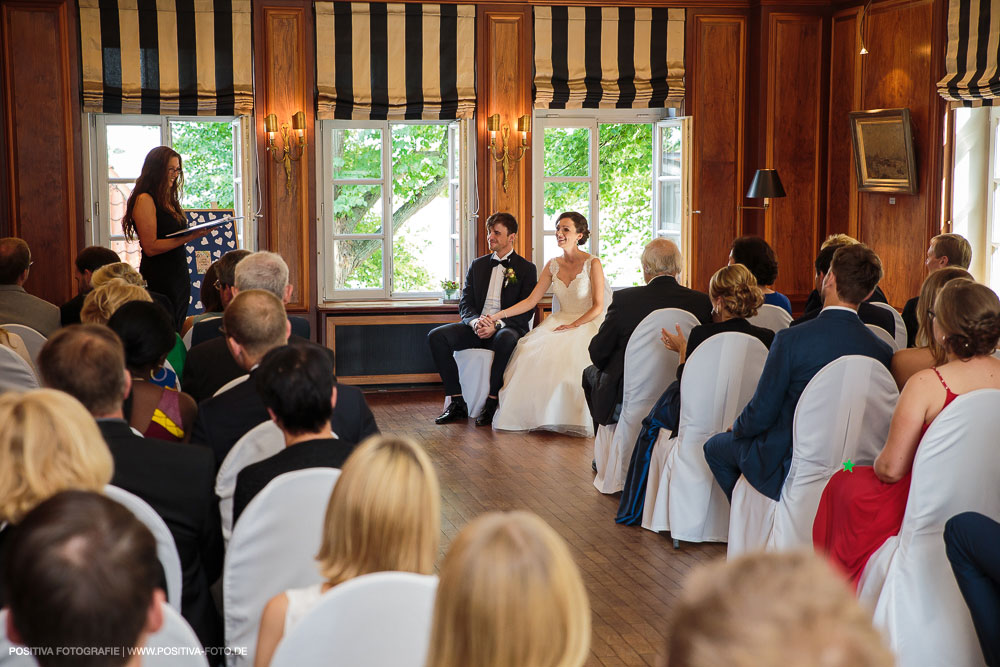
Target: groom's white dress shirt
{"type": "Point", "coordinates": [492, 303]}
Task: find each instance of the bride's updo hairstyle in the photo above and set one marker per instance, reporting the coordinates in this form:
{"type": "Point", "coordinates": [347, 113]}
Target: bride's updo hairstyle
{"type": "Point", "coordinates": [510, 595]}
{"type": "Point", "coordinates": [738, 289]}
{"type": "Point", "coordinates": [579, 223]}
{"type": "Point", "coordinates": [968, 314]}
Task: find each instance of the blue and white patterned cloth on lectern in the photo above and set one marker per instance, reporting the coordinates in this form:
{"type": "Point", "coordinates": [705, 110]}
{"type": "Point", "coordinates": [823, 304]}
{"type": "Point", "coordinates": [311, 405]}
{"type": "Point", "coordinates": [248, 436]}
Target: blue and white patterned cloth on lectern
{"type": "Point", "coordinates": [202, 252]}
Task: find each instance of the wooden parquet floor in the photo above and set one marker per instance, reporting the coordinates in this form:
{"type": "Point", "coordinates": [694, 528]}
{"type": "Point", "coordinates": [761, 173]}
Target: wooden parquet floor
{"type": "Point", "coordinates": [632, 575]}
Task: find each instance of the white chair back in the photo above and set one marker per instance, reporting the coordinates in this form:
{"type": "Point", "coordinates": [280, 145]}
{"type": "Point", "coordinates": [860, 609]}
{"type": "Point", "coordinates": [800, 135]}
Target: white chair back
{"type": "Point", "coordinates": [771, 317]}
{"type": "Point", "coordinates": [900, 335]}
{"type": "Point", "coordinates": [15, 373]}
{"type": "Point", "coordinates": [33, 340]}
{"type": "Point", "coordinates": [271, 550]}
{"type": "Point", "coordinates": [232, 383]}
{"type": "Point", "coordinates": [649, 369]}
{"type": "Point", "coordinates": [843, 414]}
{"type": "Point", "coordinates": [474, 376]}
{"type": "Point", "coordinates": [955, 470]}
{"type": "Point", "coordinates": [682, 496]}
{"type": "Point", "coordinates": [884, 336]}
{"type": "Point", "coordinates": [375, 620]}
{"type": "Point", "coordinates": [174, 645]}
{"type": "Point", "coordinates": [166, 549]}
{"type": "Point", "coordinates": [260, 442]}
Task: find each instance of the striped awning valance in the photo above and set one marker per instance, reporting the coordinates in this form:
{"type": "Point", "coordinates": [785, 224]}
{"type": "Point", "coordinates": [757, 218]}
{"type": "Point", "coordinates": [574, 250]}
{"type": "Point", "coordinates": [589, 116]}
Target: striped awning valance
{"type": "Point", "coordinates": [186, 57]}
{"type": "Point", "coordinates": [395, 61]}
{"type": "Point", "coordinates": [608, 57]}
{"type": "Point", "coordinates": [973, 53]}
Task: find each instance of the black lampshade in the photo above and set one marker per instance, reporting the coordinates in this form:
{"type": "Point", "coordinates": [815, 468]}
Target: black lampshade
{"type": "Point", "coordinates": [766, 183]}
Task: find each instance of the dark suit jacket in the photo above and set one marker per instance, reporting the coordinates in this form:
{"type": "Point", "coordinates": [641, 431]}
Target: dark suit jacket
{"type": "Point", "coordinates": [815, 301]}
{"type": "Point", "coordinates": [210, 365]}
{"type": "Point", "coordinates": [910, 320]}
{"type": "Point", "coordinates": [323, 453]}
{"type": "Point", "coordinates": [763, 431]}
{"type": "Point", "coordinates": [628, 308]}
{"type": "Point", "coordinates": [69, 312]}
{"type": "Point", "coordinates": [868, 313]}
{"type": "Point", "coordinates": [178, 481]}
{"type": "Point", "coordinates": [207, 330]}
{"type": "Point", "coordinates": [477, 284]}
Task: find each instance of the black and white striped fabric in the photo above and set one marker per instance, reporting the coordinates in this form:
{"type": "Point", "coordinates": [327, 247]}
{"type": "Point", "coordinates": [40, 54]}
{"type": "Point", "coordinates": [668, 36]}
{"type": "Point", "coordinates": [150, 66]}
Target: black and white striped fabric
{"type": "Point", "coordinates": [186, 57]}
{"type": "Point", "coordinates": [395, 61]}
{"type": "Point", "coordinates": [608, 57]}
{"type": "Point", "coordinates": [973, 54]}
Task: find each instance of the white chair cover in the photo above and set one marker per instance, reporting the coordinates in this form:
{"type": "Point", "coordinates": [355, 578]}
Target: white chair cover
{"type": "Point", "coordinates": [649, 369]}
{"type": "Point", "coordinates": [166, 549]}
{"type": "Point", "coordinates": [844, 413]}
{"type": "Point", "coordinates": [375, 620]}
{"type": "Point", "coordinates": [681, 494]}
{"type": "Point", "coordinates": [771, 317]}
{"type": "Point", "coordinates": [884, 335]}
{"type": "Point", "coordinates": [260, 442]}
{"type": "Point", "coordinates": [474, 376]}
{"type": "Point", "coordinates": [271, 550]}
{"type": "Point", "coordinates": [33, 340]}
{"type": "Point", "coordinates": [232, 383]}
{"type": "Point", "coordinates": [955, 470]}
{"type": "Point", "coordinates": [163, 645]}
{"type": "Point", "coordinates": [900, 335]}
{"type": "Point", "coordinates": [15, 373]}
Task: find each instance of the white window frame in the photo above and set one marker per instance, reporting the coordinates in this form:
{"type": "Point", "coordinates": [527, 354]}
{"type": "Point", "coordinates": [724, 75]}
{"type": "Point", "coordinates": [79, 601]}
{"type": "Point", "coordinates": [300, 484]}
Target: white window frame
{"type": "Point", "coordinates": [461, 223]}
{"type": "Point", "coordinates": [992, 244]}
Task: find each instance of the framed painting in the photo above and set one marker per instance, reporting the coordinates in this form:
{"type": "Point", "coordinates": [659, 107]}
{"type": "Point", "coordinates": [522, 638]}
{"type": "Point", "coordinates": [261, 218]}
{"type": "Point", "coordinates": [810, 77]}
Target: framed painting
{"type": "Point", "coordinates": [883, 151]}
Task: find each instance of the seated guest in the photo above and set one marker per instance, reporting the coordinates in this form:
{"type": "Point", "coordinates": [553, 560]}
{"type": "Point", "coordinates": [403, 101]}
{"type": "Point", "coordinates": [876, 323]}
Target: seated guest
{"type": "Point", "coordinates": [815, 302]}
{"type": "Point", "coordinates": [760, 444]}
{"type": "Point", "coordinates": [510, 595]}
{"type": "Point", "coordinates": [772, 609]}
{"type": "Point", "coordinates": [82, 572]}
{"type": "Point", "coordinates": [16, 305]}
{"type": "Point", "coordinates": [224, 283]}
{"type": "Point", "coordinates": [754, 253]}
{"type": "Point", "coordinates": [603, 382]}
{"type": "Point", "coordinates": [48, 443]}
{"type": "Point", "coordinates": [89, 260]}
{"type": "Point", "coordinates": [383, 515]}
{"type": "Point", "coordinates": [102, 301]}
{"type": "Point", "coordinates": [928, 352]}
{"type": "Point", "coordinates": [88, 363]}
{"type": "Point", "coordinates": [735, 297]}
{"type": "Point", "coordinates": [946, 250]}
{"type": "Point", "coordinates": [861, 509]}
{"type": "Point", "coordinates": [868, 313]}
{"type": "Point", "coordinates": [971, 542]}
{"type": "Point", "coordinates": [210, 298]}
{"type": "Point", "coordinates": [297, 386]}
{"type": "Point", "coordinates": [147, 332]}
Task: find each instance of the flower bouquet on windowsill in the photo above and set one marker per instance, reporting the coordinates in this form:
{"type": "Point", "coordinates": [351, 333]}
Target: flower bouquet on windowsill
{"type": "Point", "coordinates": [450, 288]}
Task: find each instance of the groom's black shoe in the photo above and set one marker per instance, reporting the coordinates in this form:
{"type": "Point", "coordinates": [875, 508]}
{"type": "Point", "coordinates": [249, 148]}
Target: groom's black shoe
{"type": "Point", "coordinates": [457, 409]}
{"type": "Point", "coordinates": [485, 417]}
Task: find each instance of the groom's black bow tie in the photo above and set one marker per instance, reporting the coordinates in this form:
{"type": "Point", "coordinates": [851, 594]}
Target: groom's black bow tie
{"type": "Point", "coordinates": [505, 263]}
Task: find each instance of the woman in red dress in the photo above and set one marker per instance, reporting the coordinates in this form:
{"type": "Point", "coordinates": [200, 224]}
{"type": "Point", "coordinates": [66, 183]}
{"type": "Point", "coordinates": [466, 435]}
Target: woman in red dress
{"type": "Point", "coordinates": [861, 509]}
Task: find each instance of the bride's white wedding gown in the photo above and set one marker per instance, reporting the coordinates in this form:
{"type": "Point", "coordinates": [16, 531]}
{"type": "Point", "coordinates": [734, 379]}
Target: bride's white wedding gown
{"type": "Point", "coordinates": [542, 386]}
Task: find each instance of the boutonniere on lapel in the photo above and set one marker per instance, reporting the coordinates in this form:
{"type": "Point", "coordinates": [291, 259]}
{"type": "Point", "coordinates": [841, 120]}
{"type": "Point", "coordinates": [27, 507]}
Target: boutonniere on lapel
{"type": "Point", "coordinates": [509, 277]}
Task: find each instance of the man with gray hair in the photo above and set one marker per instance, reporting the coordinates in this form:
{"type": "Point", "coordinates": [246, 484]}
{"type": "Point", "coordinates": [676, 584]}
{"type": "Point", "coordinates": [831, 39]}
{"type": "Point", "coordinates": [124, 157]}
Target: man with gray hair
{"type": "Point", "coordinates": [661, 264]}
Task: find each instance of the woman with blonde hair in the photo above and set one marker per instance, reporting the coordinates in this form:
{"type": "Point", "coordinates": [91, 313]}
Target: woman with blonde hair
{"type": "Point", "coordinates": [104, 300]}
{"type": "Point", "coordinates": [121, 270]}
{"type": "Point", "coordinates": [384, 515]}
{"type": "Point", "coordinates": [929, 351]}
{"type": "Point", "coordinates": [510, 595]}
{"type": "Point", "coordinates": [735, 298]}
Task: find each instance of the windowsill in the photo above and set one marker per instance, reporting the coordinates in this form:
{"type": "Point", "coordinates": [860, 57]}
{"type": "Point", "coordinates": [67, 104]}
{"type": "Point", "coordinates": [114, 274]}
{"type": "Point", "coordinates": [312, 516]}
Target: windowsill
{"type": "Point", "coordinates": [409, 304]}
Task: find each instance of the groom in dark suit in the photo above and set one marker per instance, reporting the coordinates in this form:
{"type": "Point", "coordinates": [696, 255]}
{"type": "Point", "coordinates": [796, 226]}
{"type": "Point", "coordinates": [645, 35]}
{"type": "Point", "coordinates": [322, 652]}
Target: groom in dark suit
{"type": "Point", "coordinates": [494, 282]}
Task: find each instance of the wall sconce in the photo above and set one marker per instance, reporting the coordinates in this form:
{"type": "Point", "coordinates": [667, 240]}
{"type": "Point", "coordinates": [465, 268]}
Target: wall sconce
{"type": "Point", "coordinates": [861, 28]}
{"type": "Point", "coordinates": [505, 157]}
{"type": "Point", "coordinates": [767, 184]}
{"type": "Point", "coordinates": [286, 154]}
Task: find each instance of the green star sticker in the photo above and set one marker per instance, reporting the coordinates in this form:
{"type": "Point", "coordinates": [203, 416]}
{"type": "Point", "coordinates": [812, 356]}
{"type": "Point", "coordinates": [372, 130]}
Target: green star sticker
{"type": "Point", "coordinates": [848, 466]}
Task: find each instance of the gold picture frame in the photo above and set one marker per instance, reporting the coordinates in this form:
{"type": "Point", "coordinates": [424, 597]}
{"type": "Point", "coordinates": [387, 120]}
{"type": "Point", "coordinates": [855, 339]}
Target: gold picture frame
{"type": "Point", "coordinates": [883, 151]}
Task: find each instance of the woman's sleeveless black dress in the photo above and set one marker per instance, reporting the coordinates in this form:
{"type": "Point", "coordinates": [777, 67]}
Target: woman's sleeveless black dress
{"type": "Point", "coordinates": [167, 273]}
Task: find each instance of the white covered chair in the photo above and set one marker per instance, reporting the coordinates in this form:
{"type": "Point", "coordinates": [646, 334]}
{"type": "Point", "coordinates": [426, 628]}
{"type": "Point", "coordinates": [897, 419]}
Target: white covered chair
{"type": "Point", "coordinates": [262, 441]}
{"type": "Point", "coordinates": [681, 494]}
{"type": "Point", "coordinates": [843, 413]}
{"type": "Point", "coordinates": [15, 373]}
{"type": "Point", "coordinates": [900, 335]}
{"type": "Point", "coordinates": [232, 383]}
{"type": "Point", "coordinates": [474, 375]}
{"type": "Point", "coordinates": [771, 317]}
{"type": "Point", "coordinates": [884, 336]}
{"type": "Point", "coordinates": [272, 548]}
{"type": "Point", "coordinates": [649, 369]}
{"type": "Point", "coordinates": [166, 549]}
{"type": "Point", "coordinates": [375, 620]}
{"type": "Point", "coordinates": [33, 340]}
{"type": "Point", "coordinates": [908, 580]}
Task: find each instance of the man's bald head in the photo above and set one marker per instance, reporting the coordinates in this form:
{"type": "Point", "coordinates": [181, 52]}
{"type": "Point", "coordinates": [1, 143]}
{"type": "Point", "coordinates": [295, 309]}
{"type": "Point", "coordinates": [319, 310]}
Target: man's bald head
{"type": "Point", "coordinates": [256, 320]}
{"type": "Point", "coordinates": [661, 257]}
{"type": "Point", "coordinates": [15, 258]}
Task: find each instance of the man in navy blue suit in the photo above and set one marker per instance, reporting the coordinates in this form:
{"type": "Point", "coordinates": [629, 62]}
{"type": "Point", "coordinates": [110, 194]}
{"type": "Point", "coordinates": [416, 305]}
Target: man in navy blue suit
{"type": "Point", "coordinates": [760, 444]}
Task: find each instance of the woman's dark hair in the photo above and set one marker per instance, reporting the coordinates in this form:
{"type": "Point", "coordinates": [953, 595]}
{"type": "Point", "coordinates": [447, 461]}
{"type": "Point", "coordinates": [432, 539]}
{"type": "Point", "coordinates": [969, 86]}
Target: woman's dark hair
{"type": "Point", "coordinates": [211, 300]}
{"type": "Point", "coordinates": [754, 253]}
{"type": "Point", "coordinates": [968, 313]}
{"type": "Point", "coordinates": [579, 223]}
{"type": "Point", "coordinates": [147, 333]}
{"type": "Point", "coordinates": [153, 182]}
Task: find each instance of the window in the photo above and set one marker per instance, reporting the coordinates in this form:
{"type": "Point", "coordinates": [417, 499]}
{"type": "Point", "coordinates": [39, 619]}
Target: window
{"type": "Point", "coordinates": [215, 161]}
{"type": "Point", "coordinates": [606, 166]}
{"type": "Point", "coordinates": [392, 208]}
{"type": "Point", "coordinates": [993, 203]}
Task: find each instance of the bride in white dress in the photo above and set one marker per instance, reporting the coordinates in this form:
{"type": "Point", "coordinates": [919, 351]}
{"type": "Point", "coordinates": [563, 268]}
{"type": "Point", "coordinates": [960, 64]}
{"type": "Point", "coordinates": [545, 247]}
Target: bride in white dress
{"type": "Point", "coordinates": [542, 387]}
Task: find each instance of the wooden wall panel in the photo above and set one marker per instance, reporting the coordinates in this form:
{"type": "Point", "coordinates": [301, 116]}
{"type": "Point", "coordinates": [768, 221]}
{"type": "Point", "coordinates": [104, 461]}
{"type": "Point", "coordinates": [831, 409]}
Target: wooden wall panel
{"type": "Point", "coordinates": [41, 127]}
{"type": "Point", "coordinates": [715, 98]}
{"type": "Point", "coordinates": [795, 144]}
{"type": "Point", "coordinates": [845, 96]}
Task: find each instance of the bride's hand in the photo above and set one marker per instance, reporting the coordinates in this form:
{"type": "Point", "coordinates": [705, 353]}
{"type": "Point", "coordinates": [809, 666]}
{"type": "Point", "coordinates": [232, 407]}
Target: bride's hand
{"type": "Point", "coordinates": [565, 327]}
{"type": "Point", "coordinates": [676, 343]}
